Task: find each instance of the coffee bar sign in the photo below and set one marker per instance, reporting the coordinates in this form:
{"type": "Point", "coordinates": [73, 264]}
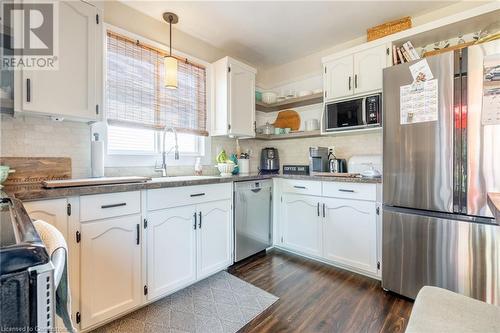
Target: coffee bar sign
{"type": "Point", "coordinates": [29, 35]}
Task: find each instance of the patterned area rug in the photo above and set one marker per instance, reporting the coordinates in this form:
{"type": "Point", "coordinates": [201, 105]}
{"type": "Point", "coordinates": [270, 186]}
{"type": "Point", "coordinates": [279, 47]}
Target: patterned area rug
{"type": "Point", "coordinates": [220, 303]}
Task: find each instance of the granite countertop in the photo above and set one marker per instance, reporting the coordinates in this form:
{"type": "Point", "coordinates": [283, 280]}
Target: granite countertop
{"type": "Point", "coordinates": [36, 191]}
{"type": "Point", "coordinates": [494, 203]}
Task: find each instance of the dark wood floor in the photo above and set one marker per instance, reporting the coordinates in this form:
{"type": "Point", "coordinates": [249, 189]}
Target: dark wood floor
{"type": "Point", "coordinates": [315, 297]}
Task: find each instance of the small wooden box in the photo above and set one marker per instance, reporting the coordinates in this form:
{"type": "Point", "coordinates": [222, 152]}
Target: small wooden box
{"type": "Point", "coordinates": [388, 28]}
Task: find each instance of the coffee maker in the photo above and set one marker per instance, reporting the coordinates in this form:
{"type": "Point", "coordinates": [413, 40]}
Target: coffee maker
{"type": "Point", "coordinates": [269, 161]}
{"type": "Point", "coordinates": [318, 159]}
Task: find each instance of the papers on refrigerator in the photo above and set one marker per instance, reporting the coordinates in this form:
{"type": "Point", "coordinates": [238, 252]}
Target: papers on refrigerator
{"type": "Point", "coordinates": [419, 102]}
{"type": "Point", "coordinates": [421, 71]}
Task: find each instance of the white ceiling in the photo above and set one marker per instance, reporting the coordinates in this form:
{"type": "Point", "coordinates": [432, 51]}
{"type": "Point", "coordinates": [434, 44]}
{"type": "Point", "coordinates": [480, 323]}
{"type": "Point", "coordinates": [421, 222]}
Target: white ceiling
{"type": "Point", "coordinates": [266, 33]}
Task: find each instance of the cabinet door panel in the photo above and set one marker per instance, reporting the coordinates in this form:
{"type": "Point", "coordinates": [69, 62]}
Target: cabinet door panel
{"type": "Point", "coordinates": [70, 90]}
{"type": "Point", "coordinates": [339, 78]}
{"type": "Point", "coordinates": [214, 237]}
{"type": "Point", "coordinates": [50, 211]}
{"type": "Point", "coordinates": [241, 101]}
{"type": "Point", "coordinates": [301, 227]}
{"type": "Point", "coordinates": [110, 268]}
{"type": "Point", "coordinates": [171, 250]}
{"type": "Point", "coordinates": [350, 233]}
{"type": "Point", "coordinates": [368, 66]}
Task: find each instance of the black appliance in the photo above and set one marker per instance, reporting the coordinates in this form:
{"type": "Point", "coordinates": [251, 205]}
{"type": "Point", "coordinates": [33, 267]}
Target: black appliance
{"type": "Point", "coordinates": [269, 160]}
{"type": "Point", "coordinates": [6, 75]}
{"type": "Point", "coordinates": [353, 113]}
{"type": "Point", "coordinates": [26, 273]}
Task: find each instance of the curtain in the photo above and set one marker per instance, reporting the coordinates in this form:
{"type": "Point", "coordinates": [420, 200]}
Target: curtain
{"type": "Point", "coordinates": [136, 97]}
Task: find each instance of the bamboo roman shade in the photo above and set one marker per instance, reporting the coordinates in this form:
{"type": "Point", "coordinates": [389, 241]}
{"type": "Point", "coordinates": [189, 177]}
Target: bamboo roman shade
{"type": "Point", "coordinates": [135, 95]}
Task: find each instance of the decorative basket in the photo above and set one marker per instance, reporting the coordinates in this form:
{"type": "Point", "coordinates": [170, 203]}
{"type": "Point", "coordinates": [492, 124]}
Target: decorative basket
{"type": "Point", "coordinates": [226, 169]}
{"type": "Point", "coordinates": [388, 28]}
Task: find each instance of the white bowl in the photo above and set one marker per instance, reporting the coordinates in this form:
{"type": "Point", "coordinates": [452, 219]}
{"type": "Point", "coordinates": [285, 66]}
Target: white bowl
{"type": "Point", "coordinates": [269, 97]}
{"type": "Point", "coordinates": [317, 91]}
{"type": "Point", "coordinates": [303, 93]}
{"type": "Point", "coordinates": [312, 125]}
{"type": "Point", "coordinates": [226, 169]}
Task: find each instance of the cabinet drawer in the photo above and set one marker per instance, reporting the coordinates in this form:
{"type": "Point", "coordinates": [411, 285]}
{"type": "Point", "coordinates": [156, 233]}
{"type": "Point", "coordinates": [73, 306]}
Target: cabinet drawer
{"type": "Point", "coordinates": [350, 190]}
{"type": "Point", "coordinates": [101, 206]}
{"type": "Point", "coordinates": [187, 195]}
{"type": "Point", "coordinates": [309, 187]}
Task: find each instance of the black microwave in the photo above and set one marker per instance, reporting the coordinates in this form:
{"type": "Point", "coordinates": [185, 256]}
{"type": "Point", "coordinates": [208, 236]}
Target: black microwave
{"type": "Point", "coordinates": [353, 113]}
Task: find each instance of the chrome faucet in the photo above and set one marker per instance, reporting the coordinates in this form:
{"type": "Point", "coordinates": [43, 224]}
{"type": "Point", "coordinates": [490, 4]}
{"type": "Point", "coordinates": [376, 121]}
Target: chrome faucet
{"type": "Point", "coordinates": [164, 153]}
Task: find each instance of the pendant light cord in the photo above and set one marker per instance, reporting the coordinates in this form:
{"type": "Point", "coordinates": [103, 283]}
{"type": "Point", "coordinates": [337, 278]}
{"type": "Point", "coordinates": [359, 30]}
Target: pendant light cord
{"type": "Point", "coordinates": [170, 18]}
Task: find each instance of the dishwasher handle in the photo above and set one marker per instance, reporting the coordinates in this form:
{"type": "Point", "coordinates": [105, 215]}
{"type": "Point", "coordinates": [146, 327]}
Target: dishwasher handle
{"type": "Point", "coordinates": [256, 190]}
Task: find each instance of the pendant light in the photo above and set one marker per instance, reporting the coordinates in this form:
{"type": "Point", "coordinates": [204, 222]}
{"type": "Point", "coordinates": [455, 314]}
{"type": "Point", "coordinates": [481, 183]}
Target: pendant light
{"type": "Point", "coordinates": [170, 63]}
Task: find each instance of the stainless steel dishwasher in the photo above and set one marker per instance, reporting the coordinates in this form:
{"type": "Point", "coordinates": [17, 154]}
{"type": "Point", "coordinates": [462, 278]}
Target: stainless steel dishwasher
{"type": "Point", "coordinates": [252, 217]}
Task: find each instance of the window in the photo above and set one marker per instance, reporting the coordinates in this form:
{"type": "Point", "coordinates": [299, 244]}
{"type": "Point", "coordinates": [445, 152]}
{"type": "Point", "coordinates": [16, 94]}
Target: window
{"type": "Point", "coordinates": [138, 106]}
{"type": "Point", "coordinates": [138, 141]}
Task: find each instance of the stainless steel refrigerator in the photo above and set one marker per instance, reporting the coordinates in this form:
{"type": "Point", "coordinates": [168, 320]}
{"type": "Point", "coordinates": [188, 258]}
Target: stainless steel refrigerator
{"type": "Point", "coordinates": [437, 227]}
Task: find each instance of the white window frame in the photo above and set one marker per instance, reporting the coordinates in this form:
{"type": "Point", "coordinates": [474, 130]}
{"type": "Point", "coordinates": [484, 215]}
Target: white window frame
{"type": "Point", "coordinates": [146, 159]}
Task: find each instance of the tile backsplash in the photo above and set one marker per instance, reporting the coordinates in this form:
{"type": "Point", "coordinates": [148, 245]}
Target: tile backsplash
{"type": "Point", "coordinates": [24, 136]}
{"type": "Point", "coordinates": [296, 151]}
{"type": "Point", "coordinates": [40, 136]}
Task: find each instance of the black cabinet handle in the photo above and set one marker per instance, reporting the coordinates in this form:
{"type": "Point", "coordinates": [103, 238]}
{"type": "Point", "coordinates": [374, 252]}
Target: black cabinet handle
{"type": "Point", "coordinates": [28, 90]}
{"type": "Point", "coordinates": [355, 80]}
{"type": "Point", "coordinates": [194, 215]}
{"type": "Point", "coordinates": [318, 208]}
{"type": "Point", "coordinates": [197, 195]}
{"type": "Point", "coordinates": [137, 236]}
{"type": "Point", "coordinates": [324, 210]}
{"type": "Point", "coordinates": [114, 205]}
{"type": "Point", "coordinates": [301, 187]}
{"type": "Point", "coordinates": [349, 83]}
{"type": "Point", "coordinates": [199, 222]}
{"type": "Point", "coordinates": [342, 190]}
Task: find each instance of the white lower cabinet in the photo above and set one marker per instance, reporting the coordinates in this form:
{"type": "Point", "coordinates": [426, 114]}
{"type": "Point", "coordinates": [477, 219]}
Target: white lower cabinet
{"type": "Point", "coordinates": [110, 268]}
{"type": "Point", "coordinates": [186, 244]}
{"type": "Point", "coordinates": [171, 250]}
{"type": "Point", "coordinates": [350, 233]}
{"type": "Point", "coordinates": [214, 244]}
{"type": "Point", "coordinates": [341, 229]}
{"type": "Point", "coordinates": [301, 225]}
{"type": "Point", "coordinates": [53, 211]}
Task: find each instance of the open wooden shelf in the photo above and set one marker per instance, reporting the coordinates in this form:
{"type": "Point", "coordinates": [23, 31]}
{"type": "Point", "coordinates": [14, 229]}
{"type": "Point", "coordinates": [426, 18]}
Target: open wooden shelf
{"type": "Point", "coordinates": [289, 103]}
{"type": "Point", "coordinates": [292, 135]}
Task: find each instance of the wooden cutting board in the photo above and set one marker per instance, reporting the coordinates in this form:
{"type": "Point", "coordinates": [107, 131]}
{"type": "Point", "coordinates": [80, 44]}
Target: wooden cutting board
{"type": "Point", "coordinates": [34, 170]}
{"type": "Point", "coordinates": [288, 119]}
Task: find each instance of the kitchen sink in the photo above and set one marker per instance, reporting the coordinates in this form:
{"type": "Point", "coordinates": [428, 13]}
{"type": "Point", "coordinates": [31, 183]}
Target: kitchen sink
{"type": "Point", "coordinates": [179, 178]}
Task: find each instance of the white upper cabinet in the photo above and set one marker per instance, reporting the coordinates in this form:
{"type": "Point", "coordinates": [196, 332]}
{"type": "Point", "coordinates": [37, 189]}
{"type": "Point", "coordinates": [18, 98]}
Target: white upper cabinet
{"type": "Point", "coordinates": [354, 74]}
{"type": "Point", "coordinates": [368, 66]}
{"type": "Point", "coordinates": [74, 91]}
{"type": "Point", "coordinates": [338, 78]}
{"type": "Point", "coordinates": [214, 237]}
{"type": "Point", "coordinates": [233, 113]}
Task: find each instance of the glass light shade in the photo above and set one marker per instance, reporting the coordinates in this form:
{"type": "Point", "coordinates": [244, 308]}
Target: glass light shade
{"type": "Point", "coordinates": [170, 72]}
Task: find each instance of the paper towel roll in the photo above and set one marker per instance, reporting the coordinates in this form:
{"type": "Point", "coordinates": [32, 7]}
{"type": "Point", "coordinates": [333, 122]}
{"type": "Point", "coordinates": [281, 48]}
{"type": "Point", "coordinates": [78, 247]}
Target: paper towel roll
{"type": "Point", "coordinates": [97, 158]}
